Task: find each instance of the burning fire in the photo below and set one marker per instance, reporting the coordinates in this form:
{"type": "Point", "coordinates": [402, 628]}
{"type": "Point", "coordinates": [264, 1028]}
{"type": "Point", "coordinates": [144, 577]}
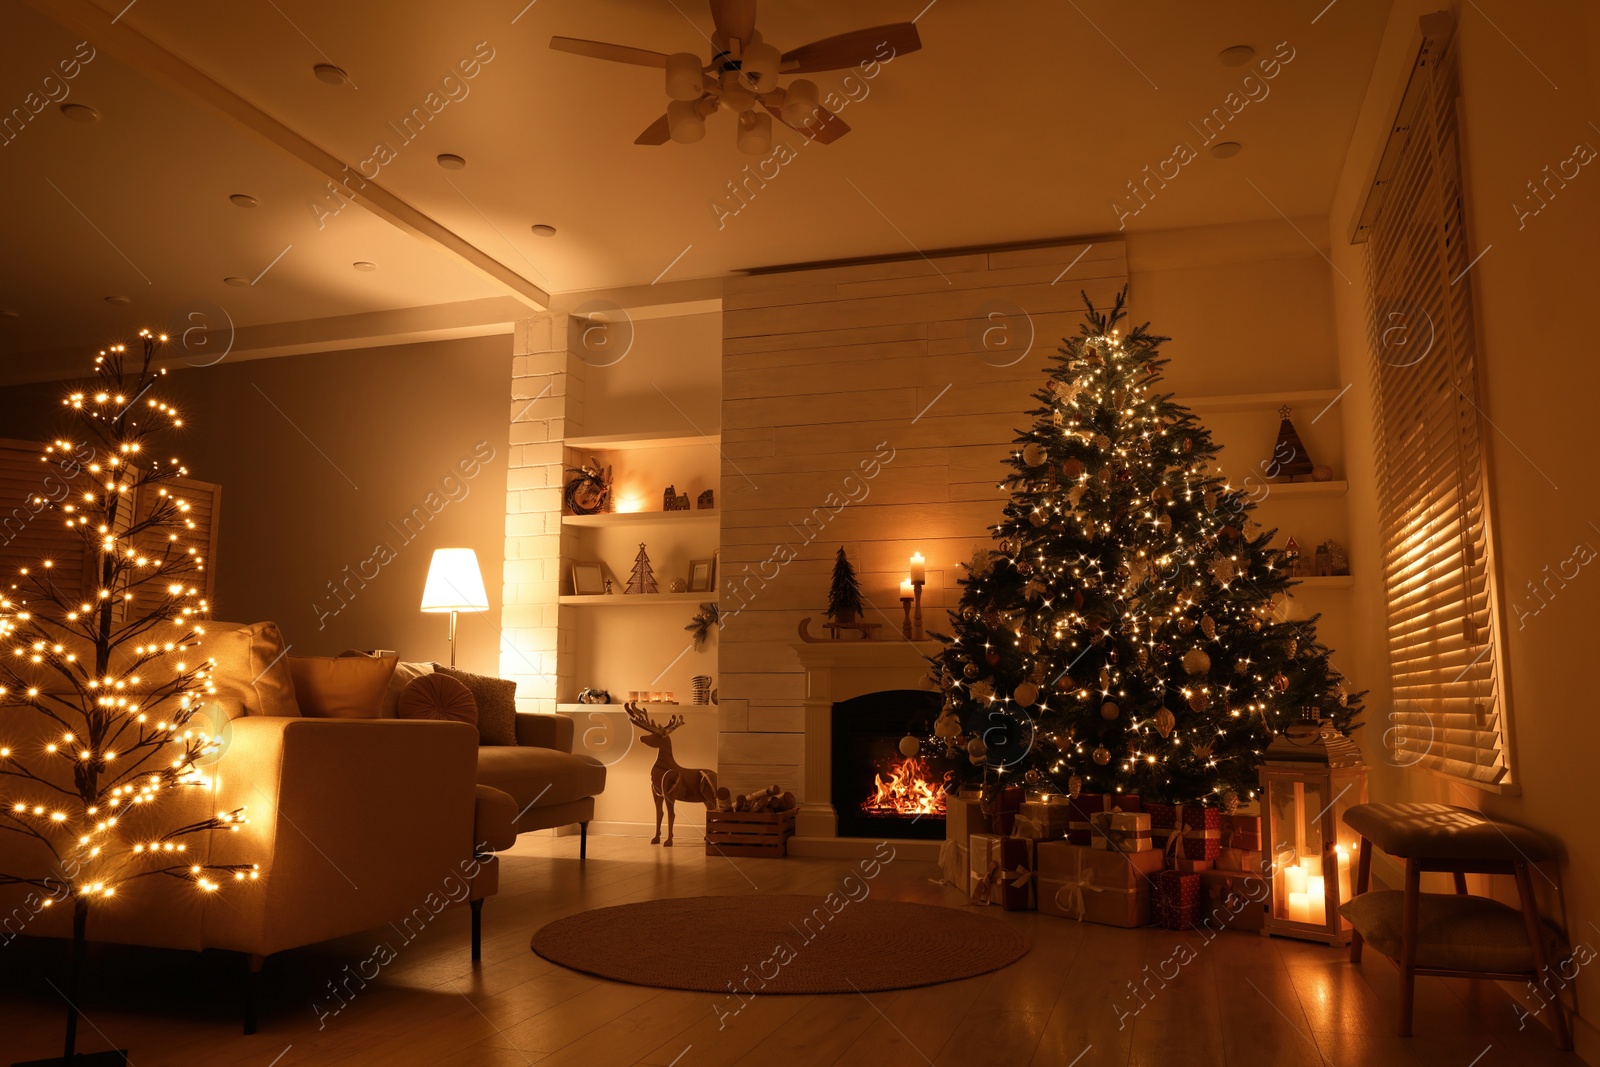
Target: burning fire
{"type": "Point", "coordinates": [906, 788]}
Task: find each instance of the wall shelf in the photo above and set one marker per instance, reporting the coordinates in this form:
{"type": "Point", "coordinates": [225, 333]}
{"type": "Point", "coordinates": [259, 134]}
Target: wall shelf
{"type": "Point", "coordinates": [618, 442]}
{"type": "Point", "coordinates": [1335, 581]}
{"type": "Point", "coordinates": [634, 600]}
{"type": "Point", "coordinates": [647, 705]}
{"type": "Point", "coordinates": [1317, 399]}
{"type": "Point", "coordinates": [1335, 488]}
{"type": "Point", "coordinates": [639, 518]}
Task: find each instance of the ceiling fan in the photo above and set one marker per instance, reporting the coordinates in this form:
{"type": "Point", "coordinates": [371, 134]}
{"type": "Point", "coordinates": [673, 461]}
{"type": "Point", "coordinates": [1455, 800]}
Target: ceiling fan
{"type": "Point", "coordinates": [742, 77]}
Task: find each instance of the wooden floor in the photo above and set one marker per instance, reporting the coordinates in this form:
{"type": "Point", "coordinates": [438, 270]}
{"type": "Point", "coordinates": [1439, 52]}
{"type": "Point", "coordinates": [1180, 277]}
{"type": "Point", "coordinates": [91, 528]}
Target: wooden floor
{"type": "Point", "coordinates": [1243, 999]}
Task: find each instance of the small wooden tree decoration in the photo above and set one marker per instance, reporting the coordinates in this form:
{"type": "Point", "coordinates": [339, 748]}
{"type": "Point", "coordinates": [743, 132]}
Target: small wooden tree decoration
{"type": "Point", "coordinates": [643, 579]}
{"type": "Point", "coordinates": [844, 596]}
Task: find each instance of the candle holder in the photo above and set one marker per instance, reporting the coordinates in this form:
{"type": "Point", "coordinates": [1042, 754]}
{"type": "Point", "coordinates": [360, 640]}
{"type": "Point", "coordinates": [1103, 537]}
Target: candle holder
{"type": "Point", "coordinates": [905, 627]}
{"type": "Point", "coordinates": [916, 612]}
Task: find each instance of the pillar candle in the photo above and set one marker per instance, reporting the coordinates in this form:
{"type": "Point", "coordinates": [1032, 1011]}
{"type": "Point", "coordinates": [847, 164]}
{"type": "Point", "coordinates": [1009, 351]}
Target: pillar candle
{"type": "Point", "coordinates": [906, 592]}
{"type": "Point", "coordinates": [1298, 908]}
{"type": "Point", "coordinates": [1316, 900]}
{"type": "Point", "coordinates": [919, 568]}
{"type": "Point", "coordinates": [1294, 879]}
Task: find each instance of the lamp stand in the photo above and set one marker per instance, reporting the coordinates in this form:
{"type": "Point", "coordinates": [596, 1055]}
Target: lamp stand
{"type": "Point", "coordinates": [452, 640]}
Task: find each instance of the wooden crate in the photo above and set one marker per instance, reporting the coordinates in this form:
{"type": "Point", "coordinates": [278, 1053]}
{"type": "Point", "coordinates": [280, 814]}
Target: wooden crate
{"type": "Point", "coordinates": [762, 835]}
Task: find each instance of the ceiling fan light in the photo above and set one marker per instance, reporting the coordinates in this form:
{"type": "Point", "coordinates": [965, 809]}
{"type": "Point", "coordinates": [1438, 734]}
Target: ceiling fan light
{"type": "Point", "coordinates": [685, 124]}
{"type": "Point", "coordinates": [738, 98]}
{"type": "Point", "coordinates": [755, 134]}
{"type": "Point", "coordinates": [759, 67]}
{"type": "Point", "coordinates": [685, 80]}
{"type": "Point", "coordinates": [800, 102]}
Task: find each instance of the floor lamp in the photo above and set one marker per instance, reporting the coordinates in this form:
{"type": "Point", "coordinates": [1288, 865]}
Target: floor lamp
{"type": "Point", "coordinates": [455, 585]}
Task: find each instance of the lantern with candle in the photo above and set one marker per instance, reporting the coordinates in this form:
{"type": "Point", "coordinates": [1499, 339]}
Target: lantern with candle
{"type": "Point", "coordinates": [1309, 776]}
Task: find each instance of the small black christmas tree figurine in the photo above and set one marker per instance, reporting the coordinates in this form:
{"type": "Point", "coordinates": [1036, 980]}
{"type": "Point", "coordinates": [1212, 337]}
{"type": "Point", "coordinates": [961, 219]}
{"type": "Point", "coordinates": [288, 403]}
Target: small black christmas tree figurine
{"type": "Point", "coordinates": [844, 595]}
{"type": "Point", "coordinates": [643, 579]}
{"type": "Point", "coordinates": [1289, 458]}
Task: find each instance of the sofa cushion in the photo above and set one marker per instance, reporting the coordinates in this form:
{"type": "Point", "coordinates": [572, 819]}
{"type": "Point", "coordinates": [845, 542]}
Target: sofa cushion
{"type": "Point", "coordinates": [497, 705]}
{"type": "Point", "coordinates": [404, 674]}
{"type": "Point", "coordinates": [330, 687]}
{"type": "Point", "coordinates": [438, 696]}
{"type": "Point", "coordinates": [540, 776]}
{"type": "Point", "coordinates": [251, 672]}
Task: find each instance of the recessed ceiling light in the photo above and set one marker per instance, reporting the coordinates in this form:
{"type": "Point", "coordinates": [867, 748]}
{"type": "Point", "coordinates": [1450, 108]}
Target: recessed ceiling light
{"type": "Point", "coordinates": [450, 161]}
{"type": "Point", "coordinates": [362, 264]}
{"type": "Point", "coordinates": [238, 283]}
{"type": "Point", "coordinates": [1226, 149]}
{"type": "Point", "coordinates": [119, 300]}
{"type": "Point", "coordinates": [1237, 56]}
{"type": "Point", "coordinates": [327, 72]}
{"type": "Point", "coordinates": [243, 200]}
{"type": "Point", "coordinates": [80, 112]}
{"type": "Point", "coordinates": [542, 229]}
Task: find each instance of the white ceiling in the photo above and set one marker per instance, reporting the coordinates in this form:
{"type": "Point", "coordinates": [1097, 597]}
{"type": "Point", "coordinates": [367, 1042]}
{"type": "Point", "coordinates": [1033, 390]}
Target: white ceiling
{"type": "Point", "coordinates": [1016, 121]}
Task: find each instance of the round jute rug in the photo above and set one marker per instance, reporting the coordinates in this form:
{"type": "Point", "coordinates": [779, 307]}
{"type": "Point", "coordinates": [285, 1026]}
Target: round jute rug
{"type": "Point", "coordinates": [780, 944]}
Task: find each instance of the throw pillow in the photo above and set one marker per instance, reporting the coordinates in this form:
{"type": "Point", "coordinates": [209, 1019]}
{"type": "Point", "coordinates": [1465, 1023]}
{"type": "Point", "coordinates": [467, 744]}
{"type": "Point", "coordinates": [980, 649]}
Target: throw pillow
{"type": "Point", "coordinates": [497, 705]}
{"type": "Point", "coordinates": [331, 687]}
{"type": "Point", "coordinates": [250, 671]}
{"type": "Point", "coordinates": [438, 696]}
{"type": "Point", "coordinates": [404, 674]}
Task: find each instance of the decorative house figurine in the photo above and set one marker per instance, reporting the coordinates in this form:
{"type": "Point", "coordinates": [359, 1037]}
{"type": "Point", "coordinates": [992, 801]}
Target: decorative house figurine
{"type": "Point", "coordinates": [1321, 566]}
{"type": "Point", "coordinates": [672, 501]}
{"type": "Point", "coordinates": [707, 501]}
{"type": "Point", "coordinates": [1338, 559]}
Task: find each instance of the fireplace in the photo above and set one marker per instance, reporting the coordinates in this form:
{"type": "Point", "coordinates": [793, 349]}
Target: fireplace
{"type": "Point", "coordinates": [877, 791]}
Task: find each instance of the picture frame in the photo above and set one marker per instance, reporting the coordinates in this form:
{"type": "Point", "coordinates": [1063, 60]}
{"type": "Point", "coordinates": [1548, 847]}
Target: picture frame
{"type": "Point", "coordinates": [702, 575]}
{"type": "Point", "coordinates": [588, 579]}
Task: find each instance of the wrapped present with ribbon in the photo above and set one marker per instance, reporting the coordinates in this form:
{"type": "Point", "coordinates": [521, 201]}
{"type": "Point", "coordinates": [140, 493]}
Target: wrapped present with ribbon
{"type": "Point", "coordinates": [1052, 816]}
{"type": "Point", "coordinates": [1241, 832]}
{"type": "Point", "coordinates": [1233, 900]}
{"type": "Point", "coordinates": [1018, 889]}
{"type": "Point", "coordinates": [1177, 900]}
{"type": "Point", "coordinates": [1238, 859]}
{"type": "Point", "coordinates": [1186, 831]}
{"type": "Point", "coordinates": [1092, 885]}
{"type": "Point", "coordinates": [963, 817]}
{"type": "Point", "coordinates": [983, 868]}
{"type": "Point", "coordinates": [1121, 831]}
{"type": "Point", "coordinates": [1080, 831]}
{"type": "Point", "coordinates": [1002, 806]}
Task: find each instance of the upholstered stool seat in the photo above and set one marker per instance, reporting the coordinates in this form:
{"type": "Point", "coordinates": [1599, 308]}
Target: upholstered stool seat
{"type": "Point", "coordinates": [1436, 933]}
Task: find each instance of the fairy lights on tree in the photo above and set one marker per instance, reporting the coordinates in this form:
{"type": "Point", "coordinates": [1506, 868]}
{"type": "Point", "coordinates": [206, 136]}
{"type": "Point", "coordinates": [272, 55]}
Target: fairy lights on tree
{"type": "Point", "coordinates": [99, 684]}
{"type": "Point", "coordinates": [1124, 636]}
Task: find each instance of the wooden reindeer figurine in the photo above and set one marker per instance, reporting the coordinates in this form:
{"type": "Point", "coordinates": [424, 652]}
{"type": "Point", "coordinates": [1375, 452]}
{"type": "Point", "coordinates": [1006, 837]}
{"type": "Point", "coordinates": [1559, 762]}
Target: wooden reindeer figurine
{"type": "Point", "coordinates": [668, 781]}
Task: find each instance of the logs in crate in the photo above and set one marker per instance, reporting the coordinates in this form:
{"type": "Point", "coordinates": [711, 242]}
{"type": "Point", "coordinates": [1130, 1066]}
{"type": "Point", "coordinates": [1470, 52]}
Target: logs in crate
{"type": "Point", "coordinates": [757, 834]}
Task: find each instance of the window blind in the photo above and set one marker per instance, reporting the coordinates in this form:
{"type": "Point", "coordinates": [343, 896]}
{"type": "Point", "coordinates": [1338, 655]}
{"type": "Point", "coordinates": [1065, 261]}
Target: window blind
{"type": "Point", "coordinates": [1444, 651]}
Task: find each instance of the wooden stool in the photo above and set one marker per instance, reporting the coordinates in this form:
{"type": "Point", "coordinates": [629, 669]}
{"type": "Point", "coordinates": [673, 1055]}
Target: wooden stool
{"type": "Point", "coordinates": [1498, 942]}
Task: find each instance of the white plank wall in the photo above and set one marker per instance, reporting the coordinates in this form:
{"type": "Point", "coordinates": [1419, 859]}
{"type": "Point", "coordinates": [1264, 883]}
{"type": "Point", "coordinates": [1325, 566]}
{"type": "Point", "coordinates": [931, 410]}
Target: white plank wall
{"type": "Point", "coordinates": [823, 366]}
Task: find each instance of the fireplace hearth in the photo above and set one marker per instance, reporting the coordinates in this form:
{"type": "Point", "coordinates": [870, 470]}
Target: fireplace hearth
{"type": "Point", "coordinates": [877, 791]}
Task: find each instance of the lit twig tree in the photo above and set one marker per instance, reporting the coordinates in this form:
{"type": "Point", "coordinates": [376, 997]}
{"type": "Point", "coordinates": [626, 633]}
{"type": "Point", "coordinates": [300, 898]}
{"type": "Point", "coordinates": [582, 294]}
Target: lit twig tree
{"type": "Point", "coordinates": [99, 684]}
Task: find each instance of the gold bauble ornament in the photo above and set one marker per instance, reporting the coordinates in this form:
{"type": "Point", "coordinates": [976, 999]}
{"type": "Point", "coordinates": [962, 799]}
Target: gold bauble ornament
{"type": "Point", "coordinates": [1280, 682]}
{"type": "Point", "coordinates": [1101, 755]}
{"type": "Point", "coordinates": [1032, 777]}
{"type": "Point", "coordinates": [1033, 453]}
{"type": "Point", "coordinates": [1030, 644]}
{"type": "Point", "coordinates": [1164, 523]}
{"type": "Point", "coordinates": [1102, 442]}
{"type": "Point", "coordinates": [1026, 694]}
{"type": "Point", "coordinates": [1165, 721]}
{"type": "Point", "coordinates": [977, 749]}
{"type": "Point", "coordinates": [969, 670]}
{"type": "Point", "coordinates": [1195, 661]}
{"type": "Point", "coordinates": [1208, 626]}
{"type": "Point", "coordinates": [1109, 710]}
{"type": "Point", "coordinates": [1037, 517]}
{"type": "Point", "coordinates": [1198, 700]}
{"type": "Point", "coordinates": [1186, 625]}
{"type": "Point", "coordinates": [909, 746]}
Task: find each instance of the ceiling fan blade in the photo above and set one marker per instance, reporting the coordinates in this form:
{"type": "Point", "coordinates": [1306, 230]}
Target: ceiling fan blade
{"type": "Point", "coordinates": [656, 133]}
{"type": "Point", "coordinates": [824, 126]}
{"type": "Point", "coordinates": [617, 53]}
{"type": "Point", "coordinates": [734, 18]}
{"type": "Point", "coordinates": [849, 49]}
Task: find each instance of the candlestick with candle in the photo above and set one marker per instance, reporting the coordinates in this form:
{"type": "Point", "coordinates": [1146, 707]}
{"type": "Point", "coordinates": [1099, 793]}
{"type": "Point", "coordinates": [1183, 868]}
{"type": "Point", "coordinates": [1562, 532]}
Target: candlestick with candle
{"type": "Point", "coordinates": [906, 594]}
{"type": "Point", "coordinates": [919, 577]}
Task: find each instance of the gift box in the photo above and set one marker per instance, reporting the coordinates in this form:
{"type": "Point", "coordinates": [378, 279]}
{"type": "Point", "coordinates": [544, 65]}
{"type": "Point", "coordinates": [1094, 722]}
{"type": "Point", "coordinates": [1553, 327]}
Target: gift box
{"type": "Point", "coordinates": [1121, 831]}
{"type": "Point", "coordinates": [1080, 831]}
{"type": "Point", "coordinates": [1050, 817]}
{"type": "Point", "coordinates": [1241, 832]}
{"type": "Point", "coordinates": [1188, 866]}
{"type": "Point", "coordinates": [1188, 831]}
{"type": "Point", "coordinates": [1004, 805]}
{"type": "Point", "coordinates": [1177, 899]}
{"type": "Point", "coordinates": [983, 868]}
{"type": "Point", "coordinates": [953, 864]}
{"type": "Point", "coordinates": [1233, 900]}
{"type": "Point", "coordinates": [1238, 859]}
{"type": "Point", "coordinates": [963, 817]}
{"type": "Point", "coordinates": [1019, 891]}
{"type": "Point", "coordinates": [1085, 883]}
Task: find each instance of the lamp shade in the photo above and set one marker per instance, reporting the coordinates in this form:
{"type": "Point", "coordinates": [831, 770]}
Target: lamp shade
{"type": "Point", "coordinates": [454, 582]}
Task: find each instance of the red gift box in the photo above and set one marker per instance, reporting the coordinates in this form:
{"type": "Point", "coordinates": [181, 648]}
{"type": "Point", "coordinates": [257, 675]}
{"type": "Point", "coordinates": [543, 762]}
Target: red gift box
{"type": "Point", "coordinates": [1080, 831]}
{"type": "Point", "coordinates": [1177, 899]}
{"type": "Point", "coordinates": [1201, 838]}
{"type": "Point", "coordinates": [1233, 900]}
{"type": "Point", "coordinates": [1019, 890]}
{"type": "Point", "coordinates": [1002, 807]}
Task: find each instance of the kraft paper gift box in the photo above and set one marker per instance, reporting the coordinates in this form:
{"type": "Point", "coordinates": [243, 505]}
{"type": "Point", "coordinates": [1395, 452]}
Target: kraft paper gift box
{"type": "Point", "coordinates": [963, 817]}
{"type": "Point", "coordinates": [1238, 859]}
{"type": "Point", "coordinates": [1018, 887]}
{"type": "Point", "coordinates": [1241, 832]}
{"type": "Point", "coordinates": [1079, 830]}
{"type": "Point", "coordinates": [983, 868]}
{"type": "Point", "coordinates": [1093, 885]}
{"type": "Point", "coordinates": [1121, 831]}
{"type": "Point", "coordinates": [1202, 830]}
{"type": "Point", "coordinates": [1051, 817]}
{"type": "Point", "coordinates": [1233, 900]}
{"type": "Point", "coordinates": [1177, 899]}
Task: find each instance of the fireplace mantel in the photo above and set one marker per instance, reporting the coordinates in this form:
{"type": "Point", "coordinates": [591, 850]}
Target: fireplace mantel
{"type": "Point", "coordinates": [835, 671]}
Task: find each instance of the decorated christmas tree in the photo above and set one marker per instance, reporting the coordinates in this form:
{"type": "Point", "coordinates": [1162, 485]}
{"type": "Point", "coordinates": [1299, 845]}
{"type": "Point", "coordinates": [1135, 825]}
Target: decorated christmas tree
{"type": "Point", "coordinates": [1124, 637]}
{"type": "Point", "coordinates": [844, 594]}
{"type": "Point", "coordinates": [100, 765]}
